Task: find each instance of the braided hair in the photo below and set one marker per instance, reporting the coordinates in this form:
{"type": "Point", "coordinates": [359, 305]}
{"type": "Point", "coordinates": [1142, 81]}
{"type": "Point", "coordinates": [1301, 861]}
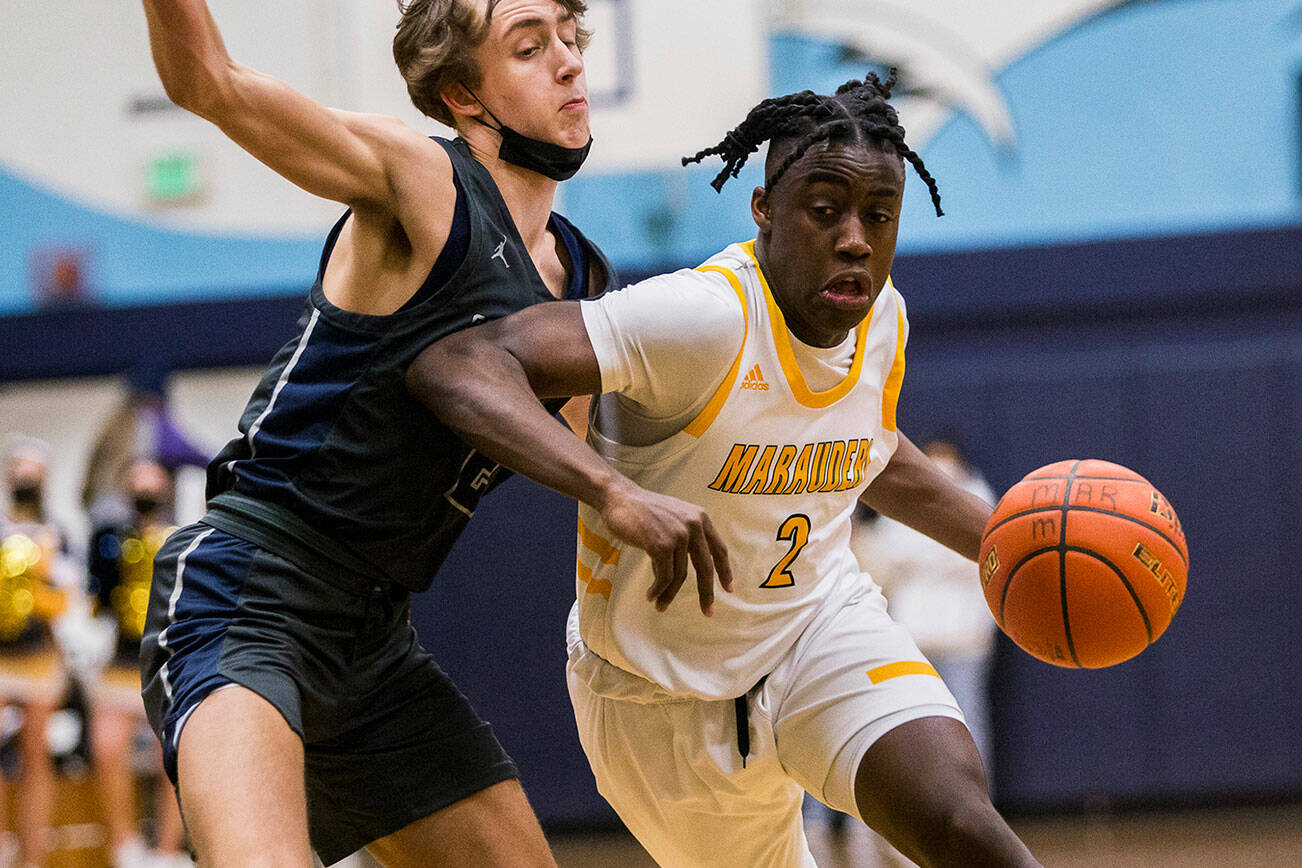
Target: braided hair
{"type": "Point", "coordinates": [859, 111]}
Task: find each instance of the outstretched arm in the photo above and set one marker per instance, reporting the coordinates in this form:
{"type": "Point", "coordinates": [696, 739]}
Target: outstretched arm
{"type": "Point", "coordinates": [914, 491]}
{"type": "Point", "coordinates": [484, 383]}
{"type": "Point", "coordinates": [360, 160]}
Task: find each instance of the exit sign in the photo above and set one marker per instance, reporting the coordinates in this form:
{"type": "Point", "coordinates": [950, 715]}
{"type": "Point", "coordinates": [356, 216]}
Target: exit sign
{"type": "Point", "coordinates": [173, 178]}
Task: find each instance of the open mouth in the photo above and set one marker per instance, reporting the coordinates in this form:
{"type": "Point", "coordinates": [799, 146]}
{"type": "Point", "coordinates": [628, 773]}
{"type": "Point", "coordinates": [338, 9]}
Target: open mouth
{"type": "Point", "coordinates": [848, 290]}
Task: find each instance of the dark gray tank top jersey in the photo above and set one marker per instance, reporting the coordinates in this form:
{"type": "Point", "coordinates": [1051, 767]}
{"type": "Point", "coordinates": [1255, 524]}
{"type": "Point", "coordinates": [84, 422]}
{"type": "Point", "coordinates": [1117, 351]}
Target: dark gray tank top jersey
{"type": "Point", "coordinates": [338, 467]}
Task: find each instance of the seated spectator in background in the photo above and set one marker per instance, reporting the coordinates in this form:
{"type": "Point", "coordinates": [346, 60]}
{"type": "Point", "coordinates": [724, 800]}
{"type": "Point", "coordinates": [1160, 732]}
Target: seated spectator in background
{"type": "Point", "coordinates": [121, 568]}
{"type": "Point", "coordinates": [936, 594]}
{"type": "Point", "coordinates": [141, 427]}
{"type": "Point", "coordinates": [38, 582]}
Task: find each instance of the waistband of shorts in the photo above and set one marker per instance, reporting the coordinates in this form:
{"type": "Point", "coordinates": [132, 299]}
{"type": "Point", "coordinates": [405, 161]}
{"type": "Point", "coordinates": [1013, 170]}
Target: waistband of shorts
{"type": "Point", "coordinates": [607, 680]}
{"type": "Point", "coordinates": [281, 533]}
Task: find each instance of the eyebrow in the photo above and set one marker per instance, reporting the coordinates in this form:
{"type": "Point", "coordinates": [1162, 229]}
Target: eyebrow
{"type": "Point", "coordinates": [836, 180]}
{"type": "Point", "coordinates": [528, 23]}
{"type": "Point", "coordinates": [821, 177]}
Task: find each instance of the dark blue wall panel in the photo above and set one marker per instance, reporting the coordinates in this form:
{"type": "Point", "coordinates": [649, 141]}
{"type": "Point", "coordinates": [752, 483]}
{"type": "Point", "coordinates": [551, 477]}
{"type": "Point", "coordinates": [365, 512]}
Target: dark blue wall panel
{"type": "Point", "coordinates": [1181, 358]}
{"type": "Point", "coordinates": [1206, 406]}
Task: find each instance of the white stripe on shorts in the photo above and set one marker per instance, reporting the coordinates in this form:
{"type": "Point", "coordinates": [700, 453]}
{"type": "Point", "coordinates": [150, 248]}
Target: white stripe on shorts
{"type": "Point", "coordinates": [171, 607]}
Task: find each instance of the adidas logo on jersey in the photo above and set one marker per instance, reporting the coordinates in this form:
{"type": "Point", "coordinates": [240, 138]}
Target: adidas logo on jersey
{"type": "Point", "coordinates": [754, 380]}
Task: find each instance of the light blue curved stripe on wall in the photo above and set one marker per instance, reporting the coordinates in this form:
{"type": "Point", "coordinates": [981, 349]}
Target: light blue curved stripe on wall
{"type": "Point", "coordinates": [134, 263]}
{"type": "Point", "coordinates": [1159, 117]}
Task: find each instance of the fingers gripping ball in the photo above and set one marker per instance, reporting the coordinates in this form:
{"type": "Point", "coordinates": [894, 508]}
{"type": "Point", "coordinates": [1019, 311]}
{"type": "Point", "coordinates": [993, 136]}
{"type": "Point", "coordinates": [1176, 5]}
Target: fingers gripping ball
{"type": "Point", "coordinates": [1084, 563]}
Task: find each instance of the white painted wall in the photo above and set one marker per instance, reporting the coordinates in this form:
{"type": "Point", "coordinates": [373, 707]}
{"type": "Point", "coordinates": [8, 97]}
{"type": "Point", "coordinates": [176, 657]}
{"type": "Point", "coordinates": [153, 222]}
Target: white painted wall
{"type": "Point", "coordinates": [72, 70]}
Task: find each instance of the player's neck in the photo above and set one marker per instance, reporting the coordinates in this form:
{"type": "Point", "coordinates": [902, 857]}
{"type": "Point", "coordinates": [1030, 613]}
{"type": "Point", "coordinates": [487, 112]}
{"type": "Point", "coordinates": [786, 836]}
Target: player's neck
{"type": "Point", "coordinates": [529, 196]}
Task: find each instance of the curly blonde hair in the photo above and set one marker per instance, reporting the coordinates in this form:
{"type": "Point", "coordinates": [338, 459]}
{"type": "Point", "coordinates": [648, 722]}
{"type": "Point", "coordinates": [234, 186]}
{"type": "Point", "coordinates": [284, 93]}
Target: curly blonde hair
{"type": "Point", "coordinates": [435, 44]}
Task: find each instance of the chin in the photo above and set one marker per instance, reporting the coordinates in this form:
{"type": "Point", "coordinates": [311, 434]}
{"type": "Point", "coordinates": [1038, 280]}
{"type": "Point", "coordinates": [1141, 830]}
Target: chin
{"type": "Point", "coordinates": [577, 136]}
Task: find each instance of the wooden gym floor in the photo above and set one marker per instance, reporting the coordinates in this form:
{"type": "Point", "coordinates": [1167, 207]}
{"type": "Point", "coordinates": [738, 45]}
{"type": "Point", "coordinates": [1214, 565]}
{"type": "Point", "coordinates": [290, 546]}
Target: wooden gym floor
{"type": "Point", "coordinates": [1227, 838]}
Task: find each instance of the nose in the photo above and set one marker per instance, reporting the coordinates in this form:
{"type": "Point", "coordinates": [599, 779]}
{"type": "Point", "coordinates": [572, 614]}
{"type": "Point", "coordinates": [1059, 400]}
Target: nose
{"type": "Point", "coordinates": [571, 65]}
{"type": "Point", "coordinates": [852, 240]}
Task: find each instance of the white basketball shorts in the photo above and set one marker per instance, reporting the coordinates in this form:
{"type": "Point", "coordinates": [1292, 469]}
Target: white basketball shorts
{"type": "Point", "coordinates": [671, 765]}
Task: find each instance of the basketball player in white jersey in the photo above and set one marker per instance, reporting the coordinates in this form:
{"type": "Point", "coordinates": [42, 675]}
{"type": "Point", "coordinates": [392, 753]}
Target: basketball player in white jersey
{"type": "Point", "coordinates": [761, 386]}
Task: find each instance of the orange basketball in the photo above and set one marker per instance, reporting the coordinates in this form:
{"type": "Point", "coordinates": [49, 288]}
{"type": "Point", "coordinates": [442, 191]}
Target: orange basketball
{"type": "Point", "coordinates": [1084, 563]}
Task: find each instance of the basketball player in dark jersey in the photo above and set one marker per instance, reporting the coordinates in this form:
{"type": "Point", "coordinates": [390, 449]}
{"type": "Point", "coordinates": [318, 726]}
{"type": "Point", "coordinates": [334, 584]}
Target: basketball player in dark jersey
{"type": "Point", "coordinates": [281, 673]}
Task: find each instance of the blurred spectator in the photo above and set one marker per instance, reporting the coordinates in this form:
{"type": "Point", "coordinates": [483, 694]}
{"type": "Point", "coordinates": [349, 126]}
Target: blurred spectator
{"type": "Point", "coordinates": [38, 582]}
{"type": "Point", "coordinates": [121, 569]}
{"type": "Point", "coordinates": [936, 594]}
{"type": "Point", "coordinates": [141, 427]}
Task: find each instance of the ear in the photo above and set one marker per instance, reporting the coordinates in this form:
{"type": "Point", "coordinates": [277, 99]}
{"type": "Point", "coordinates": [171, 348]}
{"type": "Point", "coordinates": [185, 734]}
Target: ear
{"type": "Point", "coordinates": [456, 96]}
{"type": "Point", "coordinates": [761, 210]}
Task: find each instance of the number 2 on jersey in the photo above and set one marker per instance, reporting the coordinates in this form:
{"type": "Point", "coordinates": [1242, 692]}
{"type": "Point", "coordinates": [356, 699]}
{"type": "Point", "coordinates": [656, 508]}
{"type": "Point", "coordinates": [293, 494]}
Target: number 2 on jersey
{"type": "Point", "coordinates": [795, 530]}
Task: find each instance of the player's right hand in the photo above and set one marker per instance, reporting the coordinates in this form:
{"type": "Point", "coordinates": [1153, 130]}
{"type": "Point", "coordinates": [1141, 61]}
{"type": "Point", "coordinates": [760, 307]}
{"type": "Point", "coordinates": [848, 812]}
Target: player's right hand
{"type": "Point", "coordinates": [671, 531]}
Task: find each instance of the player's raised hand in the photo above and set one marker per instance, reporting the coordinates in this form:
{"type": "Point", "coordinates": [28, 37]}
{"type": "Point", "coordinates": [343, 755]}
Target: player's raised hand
{"type": "Point", "coordinates": [672, 532]}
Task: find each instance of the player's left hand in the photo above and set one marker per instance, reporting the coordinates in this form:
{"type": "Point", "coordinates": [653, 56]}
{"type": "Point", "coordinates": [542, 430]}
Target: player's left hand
{"type": "Point", "coordinates": [671, 531]}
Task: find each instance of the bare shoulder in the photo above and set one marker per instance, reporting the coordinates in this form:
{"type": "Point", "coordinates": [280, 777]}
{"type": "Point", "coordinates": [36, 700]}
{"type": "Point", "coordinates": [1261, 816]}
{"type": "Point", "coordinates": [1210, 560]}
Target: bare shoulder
{"type": "Point", "coordinates": [405, 151]}
{"type": "Point", "coordinates": [418, 177]}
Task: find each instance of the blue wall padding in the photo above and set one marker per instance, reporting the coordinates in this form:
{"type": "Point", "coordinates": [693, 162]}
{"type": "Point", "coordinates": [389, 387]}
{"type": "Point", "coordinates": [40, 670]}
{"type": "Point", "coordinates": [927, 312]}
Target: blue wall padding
{"type": "Point", "coordinates": [1202, 393]}
{"type": "Point", "coordinates": [1181, 358]}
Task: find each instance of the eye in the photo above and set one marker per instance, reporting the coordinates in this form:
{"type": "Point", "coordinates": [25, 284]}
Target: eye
{"type": "Point", "coordinates": [530, 51]}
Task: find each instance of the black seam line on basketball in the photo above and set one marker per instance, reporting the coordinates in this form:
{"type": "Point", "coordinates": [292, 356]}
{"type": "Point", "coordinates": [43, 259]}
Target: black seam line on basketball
{"type": "Point", "coordinates": [1091, 478]}
{"type": "Point", "coordinates": [1062, 564]}
{"type": "Point", "coordinates": [1121, 515]}
{"type": "Point", "coordinates": [1139, 604]}
{"type": "Point", "coordinates": [1012, 574]}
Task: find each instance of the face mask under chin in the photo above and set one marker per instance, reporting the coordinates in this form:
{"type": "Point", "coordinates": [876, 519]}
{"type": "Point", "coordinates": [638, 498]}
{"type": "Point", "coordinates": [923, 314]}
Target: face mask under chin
{"type": "Point", "coordinates": [547, 159]}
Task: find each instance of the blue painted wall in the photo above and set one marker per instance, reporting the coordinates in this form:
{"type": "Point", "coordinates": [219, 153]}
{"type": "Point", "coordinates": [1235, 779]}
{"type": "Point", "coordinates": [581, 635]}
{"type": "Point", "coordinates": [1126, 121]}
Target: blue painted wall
{"type": "Point", "coordinates": [132, 262]}
{"type": "Point", "coordinates": [1155, 118]}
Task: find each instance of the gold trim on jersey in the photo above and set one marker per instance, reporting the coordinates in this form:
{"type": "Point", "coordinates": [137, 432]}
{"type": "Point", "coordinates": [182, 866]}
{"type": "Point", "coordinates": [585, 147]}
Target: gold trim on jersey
{"type": "Point", "coordinates": [706, 417]}
{"type": "Point", "coordinates": [594, 585]}
{"type": "Point", "coordinates": [891, 391]}
{"type": "Point", "coordinates": [606, 550]}
{"type": "Point", "coordinates": [602, 547]}
{"type": "Point", "coordinates": [782, 343]}
{"type": "Point", "coordinates": [904, 667]}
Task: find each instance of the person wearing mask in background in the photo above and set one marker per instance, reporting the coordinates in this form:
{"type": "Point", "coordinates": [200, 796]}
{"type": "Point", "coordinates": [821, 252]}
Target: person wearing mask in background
{"type": "Point", "coordinates": [141, 426]}
{"type": "Point", "coordinates": [935, 594]}
{"type": "Point", "coordinates": [37, 583]}
{"type": "Point", "coordinates": [120, 570]}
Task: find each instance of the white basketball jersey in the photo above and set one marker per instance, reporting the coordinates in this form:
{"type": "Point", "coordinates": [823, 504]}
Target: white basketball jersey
{"type": "Point", "coordinates": [778, 467]}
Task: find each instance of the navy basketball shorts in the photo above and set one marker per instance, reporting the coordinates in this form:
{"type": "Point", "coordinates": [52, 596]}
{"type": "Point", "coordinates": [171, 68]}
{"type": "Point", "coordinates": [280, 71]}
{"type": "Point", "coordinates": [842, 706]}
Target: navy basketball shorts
{"type": "Point", "coordinates": [388, 738]}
